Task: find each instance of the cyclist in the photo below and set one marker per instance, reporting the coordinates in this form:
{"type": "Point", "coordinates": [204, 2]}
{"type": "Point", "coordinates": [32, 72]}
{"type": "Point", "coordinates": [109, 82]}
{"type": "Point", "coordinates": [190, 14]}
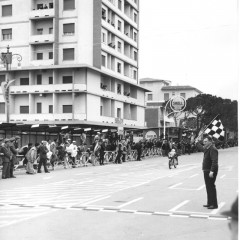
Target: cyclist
{"type": "Point", "coordinates": [172, 154]}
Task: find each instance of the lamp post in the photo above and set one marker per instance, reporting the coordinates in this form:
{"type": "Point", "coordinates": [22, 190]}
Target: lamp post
{"type": "Point", "coordinates": [6, 58]}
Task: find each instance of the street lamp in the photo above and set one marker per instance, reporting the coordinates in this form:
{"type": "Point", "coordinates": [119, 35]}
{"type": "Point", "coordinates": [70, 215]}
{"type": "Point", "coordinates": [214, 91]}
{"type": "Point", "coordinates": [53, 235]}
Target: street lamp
{"type": "Point", "coordinates": [6, 58]}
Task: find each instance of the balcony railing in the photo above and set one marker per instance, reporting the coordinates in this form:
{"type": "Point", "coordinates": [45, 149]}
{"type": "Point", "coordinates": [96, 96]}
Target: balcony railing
{"type": "Point", "coordinates": [45, 38]}
{"type": "Point", "coordinates": [42, 13]}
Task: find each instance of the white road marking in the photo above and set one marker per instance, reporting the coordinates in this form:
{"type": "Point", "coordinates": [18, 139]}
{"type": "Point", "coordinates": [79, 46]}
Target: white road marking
{"type": "Point", "coordinates": [46, 178]}
{"type": "Point", "coordinates": [180, 216]}
{"type": "Point", "coordinates": [193, 175]}
{"type": "Point", "coordinates": [219, 207]}
{"type": "Point", "coordinates": [201, 187]}
{"type": "Point", "coordinates": [179, 205]}
{"type": "Point", "coordinates": [222, 176]}
{"type": "Point", "coordinates": [175, 185]}
{"type": "Point", "coordinates": [130, 202]}
{"type": "Point", "coordinates": [96, 200]}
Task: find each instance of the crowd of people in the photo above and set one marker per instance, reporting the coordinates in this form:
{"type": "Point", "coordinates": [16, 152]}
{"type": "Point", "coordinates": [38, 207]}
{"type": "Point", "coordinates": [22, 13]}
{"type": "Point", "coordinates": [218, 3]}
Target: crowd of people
{"type": "Point", "coordinates": [52, 152]}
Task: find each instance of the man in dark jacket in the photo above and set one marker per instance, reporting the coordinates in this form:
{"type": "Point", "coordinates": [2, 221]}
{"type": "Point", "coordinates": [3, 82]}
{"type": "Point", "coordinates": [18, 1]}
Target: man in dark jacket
{"type": "Point", "coordinates": [43, 157]}
{"type": "Point", "coordinates": [6, 157]}
{"type": "Point", "coordinates": [210, 170]}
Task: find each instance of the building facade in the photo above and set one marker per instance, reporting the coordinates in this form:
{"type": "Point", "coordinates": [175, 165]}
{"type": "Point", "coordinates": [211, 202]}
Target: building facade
{"type": "Point", "coordinates": [79, 62]}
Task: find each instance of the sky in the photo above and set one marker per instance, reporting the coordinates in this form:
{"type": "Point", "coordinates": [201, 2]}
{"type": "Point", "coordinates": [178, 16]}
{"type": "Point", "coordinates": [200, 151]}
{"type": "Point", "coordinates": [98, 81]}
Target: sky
{"type": "Point", "coordinates": [191, 42]}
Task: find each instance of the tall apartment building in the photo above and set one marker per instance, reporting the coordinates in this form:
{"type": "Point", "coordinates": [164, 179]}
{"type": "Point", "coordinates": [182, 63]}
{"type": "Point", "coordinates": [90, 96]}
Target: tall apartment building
{"type": "Point", "coordinates": [79, 62]}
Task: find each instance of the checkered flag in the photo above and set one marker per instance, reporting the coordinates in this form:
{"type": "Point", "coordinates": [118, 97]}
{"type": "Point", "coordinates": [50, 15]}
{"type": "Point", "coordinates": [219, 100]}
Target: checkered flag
{"type": "Point", "coordinates": [216, 129]}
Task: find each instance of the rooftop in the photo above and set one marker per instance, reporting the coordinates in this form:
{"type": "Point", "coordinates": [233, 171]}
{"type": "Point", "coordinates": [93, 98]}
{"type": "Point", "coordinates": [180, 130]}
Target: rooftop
{"type": "Point", "coordinates": [142, 80]}
{"type": "Point", "coordinates": [167, 88]}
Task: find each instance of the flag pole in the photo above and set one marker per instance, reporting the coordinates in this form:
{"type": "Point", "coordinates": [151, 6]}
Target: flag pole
{"type": "Point", "coordinates": [206, 128]}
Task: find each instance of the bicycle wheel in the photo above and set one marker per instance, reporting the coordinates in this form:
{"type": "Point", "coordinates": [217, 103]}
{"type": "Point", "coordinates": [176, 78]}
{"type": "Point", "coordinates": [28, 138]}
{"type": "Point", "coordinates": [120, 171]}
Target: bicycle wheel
{"type": "Point", "coordinates": [170, 164]}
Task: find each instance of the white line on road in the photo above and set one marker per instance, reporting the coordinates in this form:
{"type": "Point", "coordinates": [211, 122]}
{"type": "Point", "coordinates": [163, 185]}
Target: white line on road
{"type": "Point", "coordinates": [96, 200]}
{"type": "Point", "coordinates": [193, 175]}
{"type": "Point", "coordinates": [223, 176]}
{"type": "Point", "coordinates": [201, 187]}
{"type": "Point", "coordinates": [46, 178]}
{"type": "Point", "coordinates": [179, 205]}
{"type": "Point", "coordinates": [130, 202]}
{"type": "Point", "coordinates": [175, 185]}
{"type": "Point", "coordinates": [219, 207]}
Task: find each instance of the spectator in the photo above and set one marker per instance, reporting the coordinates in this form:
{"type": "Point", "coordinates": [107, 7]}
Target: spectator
{"type": "Point", "coordinates": [43, 157]}
{"type": "Point", "coordinates": [31, 157]}
{"type": "Point", "coordinates": [5, 150]}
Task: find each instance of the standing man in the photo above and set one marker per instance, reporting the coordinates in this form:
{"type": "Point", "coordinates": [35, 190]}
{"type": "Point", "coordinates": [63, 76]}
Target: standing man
{"type": "Point", "coordinates": [210, 170]}
{"type": "Point", "coordinates": [14, 152]}
{"type": "Point", "coordinates": [43, 157]}
{"type": "Point", "coordinates": [5, 150]}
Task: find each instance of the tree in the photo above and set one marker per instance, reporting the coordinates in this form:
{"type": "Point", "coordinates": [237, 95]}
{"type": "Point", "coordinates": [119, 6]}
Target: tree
{"type": "Point", "coordinates": [205, 107]}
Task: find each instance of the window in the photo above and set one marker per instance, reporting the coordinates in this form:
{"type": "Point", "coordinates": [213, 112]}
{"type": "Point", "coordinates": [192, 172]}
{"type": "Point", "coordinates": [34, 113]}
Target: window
{"type": "Point", "coordinates": [119, 25]}
{"type": "Point", "coordinates": [135, 74]}
{"type": "Point", "coordinates": [24, 81]}
{"type": "Point", "coordinates": [40, 6]}
{"type": "Point", "coordinates": [119, 67]}
{"type": "Point", "coordinates": [50, 80]}
{"type": "Point", "coordinates": [39, 56]}
{"type": "Point", "coordinates": [39, 79]}
{"type": "Point", "coordinates": [183, 95]}
{"type": "Point", "coordinates": [40, 31]}
{"type": "Point", "coordinates": [103, 61]}
{"type": "Point", "coordinates": [7, 10]}
{"type": "Point", "coordinates": [119, 112]}
{"type": "Point", "coordinates": [7, 34]}
{"type": "Point", "coordinates": [135, 17]}
{"type": "Point", "coordinates": [166, 96]}
{"type": "Point", "coordinates": [135, 36]}
{"type": "Point", "coordinates": [39, 107]}
{"type": "Point", "coordinates": [50, 55]}
{"type": "Point", "coordinates": [50, 108]}
{"type": "Point", "coordinates": [119, 89]}
{"type": "Point", "coordinates": [101, 110]}
{"type": "Point", "coordinates": [50, 5]}
{"type": "Point", "coordinates": [68, 54]}
{"type": "Point", "coordinates": [135, 55]}
{"type": "Point", "coordinates": [119, 4]}
{"type": "Point", "coordinates": [69, 29]}
{"type": "Point", "coordinates": [68, 4]}
{"type": "Point", "coordinates": [173, 93]}
{"type": "Point", "coordinates": [104, 37]}
{"type": "Point", "coordinates": [2, 79]}
{"type": "Point", "coordinates": [119, 47]}
{"type": "Point", "coordinates": [2, 108]}
{"type": "Point", "coordinates": [51, 30]}
{"type": "Point", "coordinates": [24, 109]}
{"type": "Point", "coordinates": [103, 14]}
{"type": "Point", "coordinates": [150, 97]}
{"type": "Point", "coordinates": [67, 79]}
{"type": "Point", "coordinates": [67, 108]}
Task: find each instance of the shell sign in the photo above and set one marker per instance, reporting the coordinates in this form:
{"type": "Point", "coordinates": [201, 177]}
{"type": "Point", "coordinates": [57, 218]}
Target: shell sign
{"type": "Point", "coordinates": [178, 103]}
{"type": "Point", "coordinates": [150, 134]}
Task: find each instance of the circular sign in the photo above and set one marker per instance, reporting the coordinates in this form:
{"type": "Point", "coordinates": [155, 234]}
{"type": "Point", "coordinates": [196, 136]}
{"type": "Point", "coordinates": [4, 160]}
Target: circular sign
{"type": "Point", "coordinates": [178, 103]}
{"type": "Point", "coordinates": [150, 134]}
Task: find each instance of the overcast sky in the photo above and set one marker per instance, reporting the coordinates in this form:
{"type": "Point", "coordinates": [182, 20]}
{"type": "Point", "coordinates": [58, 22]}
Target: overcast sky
{"type": "Point", "coordinates": [191, 42]}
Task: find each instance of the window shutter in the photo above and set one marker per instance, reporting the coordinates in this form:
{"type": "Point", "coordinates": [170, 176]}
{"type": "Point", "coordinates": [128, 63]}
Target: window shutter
{"type": "Point", "coordinates": [7, 10]}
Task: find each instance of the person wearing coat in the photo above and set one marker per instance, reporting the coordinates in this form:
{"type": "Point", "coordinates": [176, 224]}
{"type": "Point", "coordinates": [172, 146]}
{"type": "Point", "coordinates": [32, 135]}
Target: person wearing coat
{"type": "Point", "coordinates": [31, 157]}
{"type": "Point", "coordinates": [14, 152]}
{"type": "Point", "coordinates": [210, 170]}
{"type": "Point", "coordinates": [43, 157]}
{"type": "Point", "coordinates": [5, 150]}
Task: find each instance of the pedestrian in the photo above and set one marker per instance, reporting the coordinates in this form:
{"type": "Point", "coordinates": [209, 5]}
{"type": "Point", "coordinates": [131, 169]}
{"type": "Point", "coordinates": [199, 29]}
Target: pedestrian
{"type": "Point", "coordinates": [119, 154]}
{"type": "Point", "coordinates": [210, 170]}
{"type": "Point", "coordinates": [6, 157]}
{"type": "Point", "coordinates": [233, 224]}
{"type": "Point", "coordinates": [14, 153]}
{"type": "Point", "coordinates": [31, 157]}
{"type": "Point", "coordinates": [101, 152]}
{"type": "Point", "coordinates": [53, 150]}
{"type": "Point", "coordinates": [43, 157]}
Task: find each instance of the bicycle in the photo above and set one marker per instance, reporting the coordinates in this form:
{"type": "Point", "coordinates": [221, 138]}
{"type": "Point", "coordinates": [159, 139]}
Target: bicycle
{"type": "Point", "coordinates": [173, 161]}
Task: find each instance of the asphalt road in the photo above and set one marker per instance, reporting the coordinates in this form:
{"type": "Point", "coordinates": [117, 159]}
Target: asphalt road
{"type": "Point", "coordinates": [133, 200]}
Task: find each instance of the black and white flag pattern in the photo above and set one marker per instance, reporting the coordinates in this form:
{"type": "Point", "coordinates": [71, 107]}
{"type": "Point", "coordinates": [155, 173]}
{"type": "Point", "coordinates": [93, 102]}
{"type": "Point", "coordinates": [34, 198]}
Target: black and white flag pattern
{"type": "Point", "coordinates": [216, 129]}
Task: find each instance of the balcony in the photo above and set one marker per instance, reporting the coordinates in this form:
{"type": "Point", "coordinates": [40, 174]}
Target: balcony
{"type": "Point", "coordinates": [42, 62]}
{"type": "Point", "coordinates": [45, 38]}
{"type": "Point", "coordinates": [43, 117]}
{"type": "Point", "coordinates": [42, 13]}
{"type": "Point", "coordinates": [118, 97]}
{"type": "Point", "coordinates": [52, 88]}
